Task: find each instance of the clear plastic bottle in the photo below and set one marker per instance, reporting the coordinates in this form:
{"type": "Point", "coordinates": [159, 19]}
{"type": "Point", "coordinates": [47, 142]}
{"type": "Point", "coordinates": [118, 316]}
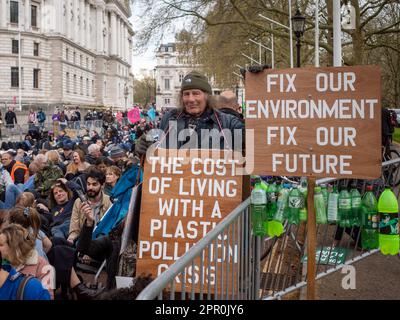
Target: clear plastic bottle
{"type": "Point", "coordinates": [333, 200]}
{"type": "Point", "coordinates": [272, 198]}
{"type": "Point", "coordinates": [324, 191]}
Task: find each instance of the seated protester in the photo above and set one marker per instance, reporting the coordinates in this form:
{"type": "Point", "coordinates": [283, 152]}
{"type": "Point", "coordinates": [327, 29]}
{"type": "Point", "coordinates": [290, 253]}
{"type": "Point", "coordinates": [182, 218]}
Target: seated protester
{"type": "Point", "coordinates": [113, 174]}
{"type": "Point", "coordinates": [93, 154]}
{"type": "Point", "coordinates": [66, 155]}
{"type": "Point", "coordinates": [77, 166]}
{"type": "Point", "coordinates": [54, 158]}
{"type": "Point", "coordinates": [61, 204]}
{"type": "Point", "coordinates": [118, 157]}
{"type": "Point", "coordinates": [8, 190]}
{"type": "Point", "coordinates": [45, 178]}
{"type": "Point", "coordinates": [97, 202]}
{"type": "Point", "coordinates": [95, 136]}
{"type": "Point", "coordinates": [17, 246]}
{"type": "Point", "coordinates": [102, 163]}
{"type": "Point", "coordinates": [29, 218]}
{"type": "Point", "coordinates": [10, 282]}
{"type": "Point", "coordinates": [18, 171]}
{"type": "Point", "coordinates": [86, 142]}
{"type": "Point", "coordinates": [102, 145]}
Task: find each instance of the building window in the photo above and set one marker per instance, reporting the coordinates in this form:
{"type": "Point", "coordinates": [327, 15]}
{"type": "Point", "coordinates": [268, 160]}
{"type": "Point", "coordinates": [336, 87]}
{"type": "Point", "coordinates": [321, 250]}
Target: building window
{"type": "Point", "coordinates": [14, 77]}
{"type": "Point", "coordinates": [166, 84]}
{"type": "Point", "coordinates": [36, 49]}
{"type": "Point", "coordinates": [34, 16]}
{"type": "Point", "coordinates": [15, 46]}
{"type": "Point", "coordinates": [81, 61]}
{"type": "Point", "coordinates": [66, 54]}
{"type": "Point", "coordinates": [181, 76]}
{"type": "Point", "coordinates": [14, 12]}
{"type": "Point", "coordinates": [75, 83]}
{"type": "Point", "coordinates": [81, 86]}
{"type": "Point", "coordinates": [87, 87]}
{"type": "Point", "coordinates": [87, 63]}
{"type": "Point", "coordinates": [166, 101]}
{"type": "Point", "coordinates": [74, 60]}
{"type": "Point", "coordinates": [68, 84]}
{"type": "Point", "coordinates": [92, 88]}
{"type": "Point", "coordinates": [36, 74]}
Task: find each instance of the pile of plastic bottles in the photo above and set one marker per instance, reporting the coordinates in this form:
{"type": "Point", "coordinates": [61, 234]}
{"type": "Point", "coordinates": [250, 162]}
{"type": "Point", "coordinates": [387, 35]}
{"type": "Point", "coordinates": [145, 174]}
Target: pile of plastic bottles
{"type": "Point", "coordinates": [274, 201]}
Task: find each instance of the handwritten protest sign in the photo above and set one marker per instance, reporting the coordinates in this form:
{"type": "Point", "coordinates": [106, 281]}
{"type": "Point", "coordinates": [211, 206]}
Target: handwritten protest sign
{"type": "Point", "coordinates": [184, 197]}
{"type": "Point", "coordinates": [315, 122]}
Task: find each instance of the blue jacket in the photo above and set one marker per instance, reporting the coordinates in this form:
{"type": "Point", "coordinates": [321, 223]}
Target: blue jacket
{"type": "Point", "coordinates": [121, 194]}
{"type": "Point", "coordinates": [34, 289]}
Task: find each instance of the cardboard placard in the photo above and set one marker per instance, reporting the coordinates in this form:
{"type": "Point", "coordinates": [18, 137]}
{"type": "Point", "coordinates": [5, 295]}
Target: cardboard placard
{"type": "Point", "coordinates": [183, 198]}
{"type": "Point", "coordinates": [315, 122]}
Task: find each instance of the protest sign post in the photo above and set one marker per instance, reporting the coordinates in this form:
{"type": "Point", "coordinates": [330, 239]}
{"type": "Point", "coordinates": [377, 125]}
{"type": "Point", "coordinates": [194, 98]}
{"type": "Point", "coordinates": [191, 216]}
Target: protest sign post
{"type": "Point", "coordinates": [315, 122]}
{"type": "Point", "coordinates": [184, 197]}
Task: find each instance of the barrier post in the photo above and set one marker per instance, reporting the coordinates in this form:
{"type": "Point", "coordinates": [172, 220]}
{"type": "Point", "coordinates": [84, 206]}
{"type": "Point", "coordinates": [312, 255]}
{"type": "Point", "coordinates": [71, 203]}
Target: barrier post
{"type": "Point", "coordinates": [311, 240]}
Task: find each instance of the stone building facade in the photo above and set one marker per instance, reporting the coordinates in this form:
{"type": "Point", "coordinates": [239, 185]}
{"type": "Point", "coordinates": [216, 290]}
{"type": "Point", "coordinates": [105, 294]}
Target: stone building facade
{"type": "Point", "coordinates": [75, 52]}
{"type": "Point", "coordinates": [172, 66]}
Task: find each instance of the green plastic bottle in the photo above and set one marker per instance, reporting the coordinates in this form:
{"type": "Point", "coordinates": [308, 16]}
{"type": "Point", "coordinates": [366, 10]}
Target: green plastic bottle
{"type": "Point", "coordinates": [324, 191]}
{"type": "Point", "coordinates": [275, 226]}
{"type": "Point", "coordinates": [355, 204]}
{"type": "Point", "coordinates": [258, 202]}
{"type": "Point", "coordinates": [271, 198]}
{"type": "Point", "coordinates": [369, 220]}
{"type": "Point", "coordinates": [344, 208]}
{"type": "Point", "coordinates": [388, 208]}
{"type": "Point", "coordinates": [319, 205]}
{"type": "Point", "coordinates": [295, 203]}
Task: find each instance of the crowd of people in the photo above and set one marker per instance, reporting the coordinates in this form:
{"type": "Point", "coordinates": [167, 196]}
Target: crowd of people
{"type": "Point", "coordinates": [54, 192]}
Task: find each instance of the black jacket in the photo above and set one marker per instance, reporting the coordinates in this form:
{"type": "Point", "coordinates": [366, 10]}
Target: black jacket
{"type": "Point", "coordinates": [10, 117]}
{"type": "Point", "coordinates": [175, 122]}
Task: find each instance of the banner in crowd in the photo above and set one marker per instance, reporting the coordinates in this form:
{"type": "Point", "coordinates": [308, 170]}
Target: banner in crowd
{"type": "Point", "coordinates": [183, 198]}
{"type": "Point", "coordinates": [315, 122]}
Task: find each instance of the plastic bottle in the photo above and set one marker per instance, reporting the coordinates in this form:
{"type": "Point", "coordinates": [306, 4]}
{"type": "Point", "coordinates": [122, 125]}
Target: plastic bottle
{"type": "Point", "coordinates": [355, 204]}
{"type": "Point", "coordinates": [319, 205]}
{"type": "Point", "coordinates": [369, 220]}
{"type": "Point", "coordinates": [344, 208]}
{"type": "Point", "coordinates": [295, 203]}
{"type": "Point", "coordinates": [324, 191]}
{"type": "Point", "coordinates": [275, 227]}
{"type": "Point", "coordinates": [258, 208]}
{"type": "Point", "coordinates": [388, 208]}
{"type": "Point", "coordinates": [272, 198]}
{"type": "Point", "coordinates": [333, 199]}
{"type": "Point", "coordinates": [303, 188]}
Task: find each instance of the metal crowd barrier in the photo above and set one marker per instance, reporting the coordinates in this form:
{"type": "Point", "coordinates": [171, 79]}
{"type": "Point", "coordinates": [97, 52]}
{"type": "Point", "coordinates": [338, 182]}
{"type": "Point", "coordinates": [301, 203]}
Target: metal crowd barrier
{"type": "Point", "coordinates": [266, 268]}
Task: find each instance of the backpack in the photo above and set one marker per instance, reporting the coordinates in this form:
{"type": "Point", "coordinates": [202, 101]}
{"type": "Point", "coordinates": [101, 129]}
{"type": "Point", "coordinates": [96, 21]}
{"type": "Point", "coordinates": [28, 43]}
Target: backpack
{"type": "Point", "coordinates": [393, 120]}
{"type": "Point", "coordinates": [21, 287]}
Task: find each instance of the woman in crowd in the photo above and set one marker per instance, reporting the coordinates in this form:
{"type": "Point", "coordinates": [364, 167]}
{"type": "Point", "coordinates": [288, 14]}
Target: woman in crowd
{"type": "Point", "coordinates": [102, 163]}
{"type": "Point", "coordinates": [54, 158]}
{"type": "Point", "coordinates": [17, 246]}
{"type": "Point", "coordinates": [77, 166]}
{"type": "Point", "coordinates": [113, 174]}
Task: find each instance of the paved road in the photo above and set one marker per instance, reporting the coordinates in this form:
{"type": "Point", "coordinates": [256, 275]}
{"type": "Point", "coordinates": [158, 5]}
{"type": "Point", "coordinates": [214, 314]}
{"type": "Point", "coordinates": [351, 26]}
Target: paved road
{"type": "Point", "coordinates": [377, 278]}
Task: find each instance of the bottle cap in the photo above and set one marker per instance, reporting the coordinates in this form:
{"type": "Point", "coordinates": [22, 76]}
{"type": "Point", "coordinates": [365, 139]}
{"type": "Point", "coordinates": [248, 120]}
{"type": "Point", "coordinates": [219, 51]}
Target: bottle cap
{"type": "Point", "coordinates": [370, 188]}
{"type": "Point", "coordinates": [274, 228]}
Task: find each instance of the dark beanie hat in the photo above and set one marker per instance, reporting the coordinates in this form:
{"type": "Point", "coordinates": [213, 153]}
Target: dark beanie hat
{"type": "Point", "coordinates": [195, 80]}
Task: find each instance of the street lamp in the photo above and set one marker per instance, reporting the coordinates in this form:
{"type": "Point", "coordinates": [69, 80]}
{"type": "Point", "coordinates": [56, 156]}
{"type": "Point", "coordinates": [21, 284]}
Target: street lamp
{"type": "Point", "coordinates": [126, 93]}
{"type": "Point", "coordinates": [298, 22]}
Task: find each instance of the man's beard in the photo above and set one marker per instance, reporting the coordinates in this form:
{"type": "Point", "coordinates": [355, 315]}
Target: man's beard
{"type": "Point", "coordinates": [92, 194]}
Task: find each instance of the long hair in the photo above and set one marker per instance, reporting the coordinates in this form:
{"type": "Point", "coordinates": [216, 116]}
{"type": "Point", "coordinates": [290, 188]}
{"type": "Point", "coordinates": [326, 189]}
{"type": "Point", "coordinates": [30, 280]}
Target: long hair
{"type": "Point", "coordinates": [60, 185]}
{"type": "Point", "coordinates": [20, 243]}
{"type": "Point", "coordinates": [211, 102]}
{"type": "Point", "coordinates": [27, 217]}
